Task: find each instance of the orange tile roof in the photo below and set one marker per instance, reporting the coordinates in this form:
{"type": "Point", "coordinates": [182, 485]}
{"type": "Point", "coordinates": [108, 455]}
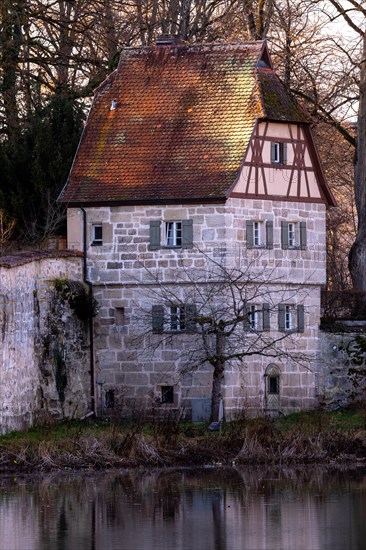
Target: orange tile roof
{"type": "Point", "coordinates": [183, 120]}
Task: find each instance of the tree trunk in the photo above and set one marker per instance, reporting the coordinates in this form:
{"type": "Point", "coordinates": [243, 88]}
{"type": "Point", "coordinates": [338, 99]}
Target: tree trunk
{"type": "Point", "coordinates": [357, 256]}
{"type": "Point", "coordinates": [218, 377]}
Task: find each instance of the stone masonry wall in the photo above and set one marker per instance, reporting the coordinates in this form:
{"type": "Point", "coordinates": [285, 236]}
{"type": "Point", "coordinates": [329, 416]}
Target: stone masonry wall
{"type": "Point", "coordinates": [123, 271]}
{"type": "Point", "coordinates": [342, 374]}
{"type": "Point", "coordinates": [44, 348]}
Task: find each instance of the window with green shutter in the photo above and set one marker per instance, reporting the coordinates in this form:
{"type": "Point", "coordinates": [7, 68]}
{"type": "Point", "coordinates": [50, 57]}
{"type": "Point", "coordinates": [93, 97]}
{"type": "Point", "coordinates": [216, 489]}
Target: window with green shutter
{"type": "Point", "coordinates": [293, 235]}
{"type": "Point", "coordinates": [278, 152]}
{"type": "Point", "coordinates": [291, 318]}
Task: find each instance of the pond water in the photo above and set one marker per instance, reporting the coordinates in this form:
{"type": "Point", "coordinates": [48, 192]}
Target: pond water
{"type": "Point", "coordinates": [210, 508]}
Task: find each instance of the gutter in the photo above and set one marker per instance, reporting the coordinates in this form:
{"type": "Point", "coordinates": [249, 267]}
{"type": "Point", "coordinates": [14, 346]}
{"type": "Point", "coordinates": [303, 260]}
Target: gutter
{"type": "Point", "coordinates": [91, 324]}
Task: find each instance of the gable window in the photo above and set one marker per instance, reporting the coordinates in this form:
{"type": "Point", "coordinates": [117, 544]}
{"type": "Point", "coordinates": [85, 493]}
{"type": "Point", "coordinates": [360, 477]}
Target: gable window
{"type": "Point", "coordinates": [278, 152]}
{"type": "Point", "coordinates": [177, 318]}
{"type": "Point", "coordinates": [167, 394]}
{"type": "Point", "coordinates": [291, 318]}
{"type": "Point", "coordinates": [259, 234]}
{"type": "Point", "coordinates": [97, 234]}
{"type": "Point", "coordinates": [176, 234]}
{"type": "Point", "coordinates": [293, 235]}
{"type": "Point", "coordinates": [258, 317]}
{"type": "Point", "coordinates": [173, 234]}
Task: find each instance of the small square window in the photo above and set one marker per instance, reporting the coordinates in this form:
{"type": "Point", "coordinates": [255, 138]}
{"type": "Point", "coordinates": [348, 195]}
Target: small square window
{"type": "Point", "coordinates": [97, 234]}
{"type": "Point", "coordinates": [173, 234]}
{"type": "Point", "coordinates": [167, 394]}
{"type": "Point", "coordinates": [177, 318]}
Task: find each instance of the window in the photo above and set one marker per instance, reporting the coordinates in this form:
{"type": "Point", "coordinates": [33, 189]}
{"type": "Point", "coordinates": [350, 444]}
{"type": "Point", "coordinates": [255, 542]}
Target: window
{"type": "Point", "coordinates": [274, 385]}
{"type": "Point", "coordinates": [293, 235]}
{"type": "Point", "coordinates": [167, 394]}
{"type": "Point", "coordinates": [278, 153]}
{"type": "Point", "coordinates": [119, 316]}
{"type": "Point", "coordinates": [291, 317]}
{"type": "Point", "coordinates": [258, 317]}
{"type": "Point", "coordinates": [259, 234]}
{"type": "Point", "coordinates": [254, 317]}
{"type": "Point", "coordinates": [257, 241]}
{"type": "Point", "coordinates": [109, 399]}
{"type": "Point", "coordinates": [176, 234]}
{"type": "Point", "coordinates": [288, 317]}
{"type": "Point", "coordinates": [97, 234]}
{"type": "Point", "coordinates": [173, 234]}
{"type": "Point", "coordinates": [177, 318]}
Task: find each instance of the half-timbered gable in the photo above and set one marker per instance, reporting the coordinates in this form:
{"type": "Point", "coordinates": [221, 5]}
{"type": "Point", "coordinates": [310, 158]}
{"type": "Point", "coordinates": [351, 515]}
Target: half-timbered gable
{"type": "Point", "coordinates": [197, 155]}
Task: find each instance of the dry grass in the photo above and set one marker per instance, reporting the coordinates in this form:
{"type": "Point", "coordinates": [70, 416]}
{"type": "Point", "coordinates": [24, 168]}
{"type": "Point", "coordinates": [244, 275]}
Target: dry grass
{"type": "Point", "coordinates": [336, 437]}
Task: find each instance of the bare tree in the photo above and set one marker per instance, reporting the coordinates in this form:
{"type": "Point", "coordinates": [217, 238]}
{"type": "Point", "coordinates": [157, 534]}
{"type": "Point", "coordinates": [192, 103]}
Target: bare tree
{"type": "Point", "coordinates": [225, 316]}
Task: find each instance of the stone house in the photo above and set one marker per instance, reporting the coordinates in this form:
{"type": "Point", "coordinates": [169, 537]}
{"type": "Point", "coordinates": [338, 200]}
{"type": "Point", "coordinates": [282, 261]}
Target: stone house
{"type": "Point", "coordinates": [195, 161]}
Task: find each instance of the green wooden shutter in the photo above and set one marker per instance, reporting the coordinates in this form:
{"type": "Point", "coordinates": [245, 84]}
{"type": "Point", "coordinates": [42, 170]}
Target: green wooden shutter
{"type": "Point", "coordinates": [281, 317]}
{"type": "Point", "coordinates": [269, 234]}
{"type": "Point", "coordinates": [284, 235]}
{"type": "Point", "coordinates": [273, 153]}
{"type": "Point", "coordinates": [303, 235]}
{"type": "Point", "coordinates": [187, 233]}
{"type": "Point", "coordinates": [191, 312]}
{"type": "Point", "coordinates": [284, 153]}
{"type": "Point", "coordinates": [157, 314]}
{"type": "Point", "coordinates": [300, 318]}
{"type": "Point", "coordinates": [266, 317]}
{"type": "Point", "coordinates": [246, 312]}
{"type": "Point", "coordinates": [154, 234]}
{"type": "Point", "coordinates": [250, 237]}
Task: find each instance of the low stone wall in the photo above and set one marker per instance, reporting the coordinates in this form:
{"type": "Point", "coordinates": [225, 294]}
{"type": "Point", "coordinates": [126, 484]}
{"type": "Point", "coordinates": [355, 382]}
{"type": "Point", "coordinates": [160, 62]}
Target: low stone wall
{"type": "Point", "coordinates": [44, 347]}
{"type": "Point", "coordinates": [342, 368]}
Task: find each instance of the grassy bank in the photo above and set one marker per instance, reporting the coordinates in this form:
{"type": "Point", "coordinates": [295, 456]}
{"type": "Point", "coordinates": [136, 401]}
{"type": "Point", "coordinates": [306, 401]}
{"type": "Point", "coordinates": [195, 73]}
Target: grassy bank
{"type": "Point", "coordinates": [299, 438]}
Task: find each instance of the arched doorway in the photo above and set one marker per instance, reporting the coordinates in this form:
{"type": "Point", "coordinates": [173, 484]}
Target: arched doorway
{"type": "Point", "coordinates": [272, 379]}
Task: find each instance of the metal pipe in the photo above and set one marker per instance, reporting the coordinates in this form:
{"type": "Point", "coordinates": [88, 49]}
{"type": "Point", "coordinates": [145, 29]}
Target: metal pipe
{"type": "Point", "coordinates": [91, 324]}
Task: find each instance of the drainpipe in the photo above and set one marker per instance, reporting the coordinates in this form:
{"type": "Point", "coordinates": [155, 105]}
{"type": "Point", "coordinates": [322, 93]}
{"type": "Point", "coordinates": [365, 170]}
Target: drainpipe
{"type": "Point", "coordinates": [91, 325]}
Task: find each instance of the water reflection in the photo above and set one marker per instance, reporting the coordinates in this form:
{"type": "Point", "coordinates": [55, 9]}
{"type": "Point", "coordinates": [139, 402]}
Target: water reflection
{"type": "Point", "coordinates": [220, 509]}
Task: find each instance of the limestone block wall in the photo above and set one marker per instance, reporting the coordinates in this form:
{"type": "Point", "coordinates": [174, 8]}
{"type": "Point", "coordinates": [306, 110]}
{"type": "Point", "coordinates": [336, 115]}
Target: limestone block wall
{"type": "Point", "coordinates": [44, 367]}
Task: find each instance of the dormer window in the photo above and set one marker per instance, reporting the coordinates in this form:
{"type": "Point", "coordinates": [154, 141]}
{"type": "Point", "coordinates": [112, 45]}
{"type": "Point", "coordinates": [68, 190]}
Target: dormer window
{"type": "Point", "coordinates": [278, 152]}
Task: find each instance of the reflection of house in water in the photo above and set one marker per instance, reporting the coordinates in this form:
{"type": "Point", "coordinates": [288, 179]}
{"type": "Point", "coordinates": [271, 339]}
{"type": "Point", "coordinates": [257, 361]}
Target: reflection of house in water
{"type": "Point", "coordinates": [222, 509]}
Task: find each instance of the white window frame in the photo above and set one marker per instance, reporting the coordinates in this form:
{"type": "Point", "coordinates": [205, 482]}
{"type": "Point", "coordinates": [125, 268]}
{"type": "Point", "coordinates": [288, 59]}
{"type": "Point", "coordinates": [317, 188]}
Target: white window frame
{"type": "Point", "coordinates": [173, 234]}
{"type": "Point", "coordinates": [277, 153]}
{"type": "Point", "coordinates": [293, 234]}
{"type": "Point", "coordinates": [97, 241]}
{"type": "Point", "coordinates": [254, 316]}
{"type": "Point", "coordinates": [289, 317]}
{"type": "Point", "coordinates": [257, 234]}
{"type": "Point", "coordinates": [177, 319]}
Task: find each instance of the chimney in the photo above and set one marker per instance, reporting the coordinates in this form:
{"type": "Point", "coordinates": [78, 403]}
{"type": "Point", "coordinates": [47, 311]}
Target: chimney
{"type": "Point", "coordinates": [168, 40]}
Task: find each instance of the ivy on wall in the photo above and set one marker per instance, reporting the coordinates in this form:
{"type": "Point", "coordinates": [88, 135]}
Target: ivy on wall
{"type": "Point", "coordinates": [78, 296]}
